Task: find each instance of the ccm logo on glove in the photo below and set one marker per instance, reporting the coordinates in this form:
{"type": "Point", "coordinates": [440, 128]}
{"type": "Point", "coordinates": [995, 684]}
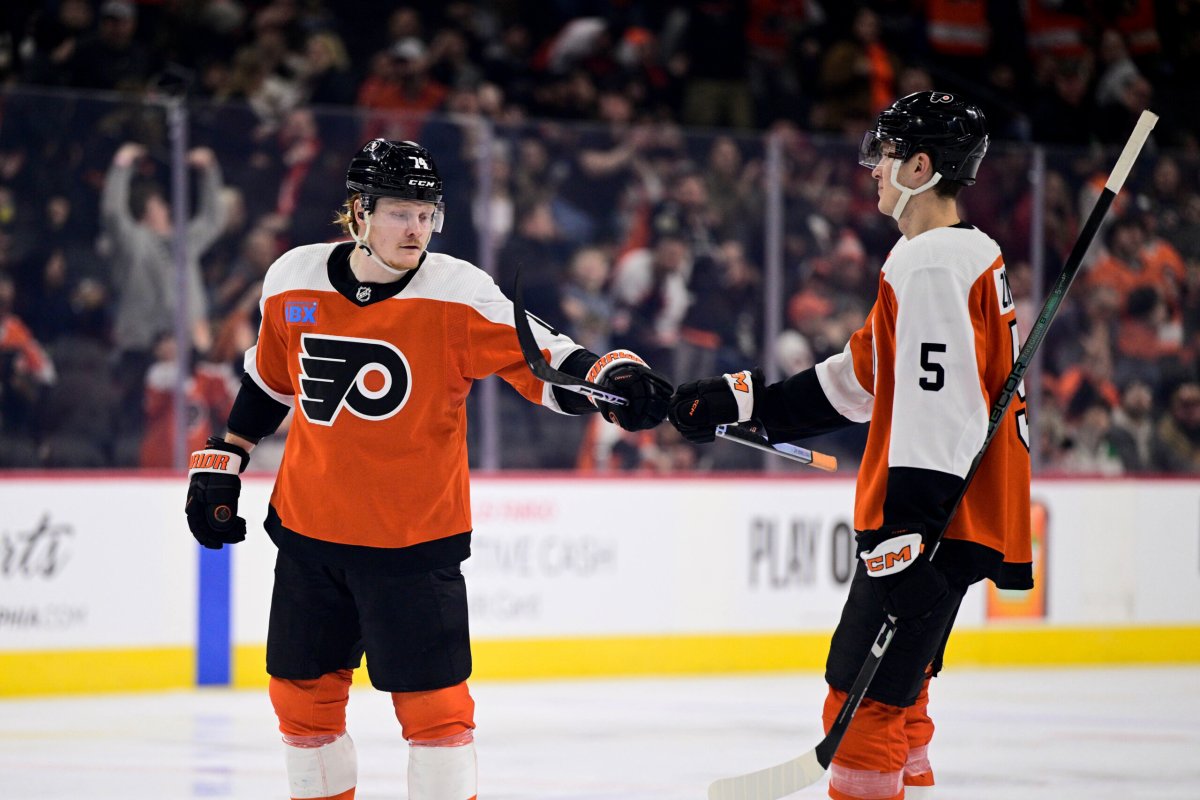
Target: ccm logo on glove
{"type": "Point", "coordinates": [893, 555]}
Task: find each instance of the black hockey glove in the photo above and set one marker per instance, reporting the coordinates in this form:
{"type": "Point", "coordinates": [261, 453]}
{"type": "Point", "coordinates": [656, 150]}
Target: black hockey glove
{"type": "Point", "coordinates": [698, 407]}
{"type": "Point", "coordinates": [906, 582]}
{"type": "Point", "coordinates": [627, 375]}
{"type": "Point", "coordinates": [213, 490]}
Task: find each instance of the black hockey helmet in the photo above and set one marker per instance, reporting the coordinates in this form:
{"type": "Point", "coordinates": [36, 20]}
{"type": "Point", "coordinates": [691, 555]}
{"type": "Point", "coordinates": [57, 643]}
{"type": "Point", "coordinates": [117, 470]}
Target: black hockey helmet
{"type": "Point", "coordinates": [950, 129]}
{"type": "Point", "coordinates": [384, 168]}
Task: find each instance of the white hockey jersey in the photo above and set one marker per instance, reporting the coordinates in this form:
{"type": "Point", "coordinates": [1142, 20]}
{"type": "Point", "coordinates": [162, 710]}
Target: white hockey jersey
{"type": "Point", "coordinates": [925, 370]}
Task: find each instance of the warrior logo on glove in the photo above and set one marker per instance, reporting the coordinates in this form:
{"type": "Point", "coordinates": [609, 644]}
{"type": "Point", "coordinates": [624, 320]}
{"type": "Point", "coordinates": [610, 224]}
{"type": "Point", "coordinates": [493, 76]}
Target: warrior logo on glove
{"type": "Point", "coordinates": [626, 374]}
{"type": "Point", "coordinates": [213, 489]}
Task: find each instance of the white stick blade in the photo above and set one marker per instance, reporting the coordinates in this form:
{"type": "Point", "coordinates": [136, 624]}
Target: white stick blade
{"type": "Point", "coordinates": [771, 783]}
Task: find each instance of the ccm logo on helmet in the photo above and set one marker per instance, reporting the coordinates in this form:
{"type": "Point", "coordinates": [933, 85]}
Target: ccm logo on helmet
{"type": "Point", "coordinates": [424, 183]}
{"type": "Point", "coordinates": [368, 377]}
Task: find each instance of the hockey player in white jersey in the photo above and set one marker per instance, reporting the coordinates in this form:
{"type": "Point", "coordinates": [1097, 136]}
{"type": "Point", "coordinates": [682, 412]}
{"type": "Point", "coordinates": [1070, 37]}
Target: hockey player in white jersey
{"type": "Point", "coordinates": [376, 344]}
{"type": "Point", "coordinates": [924, 371]}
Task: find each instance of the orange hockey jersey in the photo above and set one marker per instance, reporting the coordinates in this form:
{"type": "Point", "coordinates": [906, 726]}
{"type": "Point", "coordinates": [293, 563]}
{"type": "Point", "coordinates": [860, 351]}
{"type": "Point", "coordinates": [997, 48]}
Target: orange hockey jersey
{"type": "Point", "coordinates": [377, 451]}
{"type": "Point", "coordinates": [925, 370]}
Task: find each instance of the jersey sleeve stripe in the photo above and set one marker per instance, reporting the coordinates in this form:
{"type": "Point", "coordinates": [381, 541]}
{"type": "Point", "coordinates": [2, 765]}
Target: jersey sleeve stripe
{"type": "Point", "coordinates": [251, 365]}
{"type": "Point", "coordinates": [842, 387]}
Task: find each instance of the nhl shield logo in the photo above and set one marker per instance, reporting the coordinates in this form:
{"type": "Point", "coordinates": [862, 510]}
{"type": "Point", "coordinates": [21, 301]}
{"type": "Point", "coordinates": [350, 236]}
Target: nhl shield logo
{"type": "Point", "coordinates": [941, 97]}
{"type": "Point", "coordinates": [363, 294]}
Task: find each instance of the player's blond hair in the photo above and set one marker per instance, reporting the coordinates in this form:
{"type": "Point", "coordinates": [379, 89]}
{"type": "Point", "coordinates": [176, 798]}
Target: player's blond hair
{"type": "Point", "coordinates": [344, 216]}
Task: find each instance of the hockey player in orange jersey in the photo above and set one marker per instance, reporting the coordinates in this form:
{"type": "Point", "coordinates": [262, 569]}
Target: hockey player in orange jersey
{"type": "Point", "coordinates": [376, 343]}
{"type": "Point", "coordinates": [924, 370]}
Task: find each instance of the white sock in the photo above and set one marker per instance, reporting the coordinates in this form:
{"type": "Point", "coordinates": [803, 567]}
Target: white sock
{"type": "Point", "coordinates": [322, 771]}
{"type": "Point", "coordinates": [442, 772]}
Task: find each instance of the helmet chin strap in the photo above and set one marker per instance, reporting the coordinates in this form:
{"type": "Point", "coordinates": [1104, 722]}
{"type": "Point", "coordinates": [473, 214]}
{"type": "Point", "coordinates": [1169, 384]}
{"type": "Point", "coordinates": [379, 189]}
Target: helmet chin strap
{"type": "Point", "coordinates": [366, 248]}
{"type": "Point", "coordinates": [906, 192]}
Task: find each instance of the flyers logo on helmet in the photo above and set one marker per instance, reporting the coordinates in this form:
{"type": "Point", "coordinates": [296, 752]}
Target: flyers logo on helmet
{"type": "Point", "coordinates": [941, 97]}
{"type": "Point", "coordinates": [368, 377]}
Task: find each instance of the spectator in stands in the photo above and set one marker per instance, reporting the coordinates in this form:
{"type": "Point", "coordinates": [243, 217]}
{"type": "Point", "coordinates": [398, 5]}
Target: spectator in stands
{"type": "Point", "coordinates": [733, 188]}
{"type": "Point", "coordinates": [208, 391]}
{"type": "Point", "coordinates": [650, 288]}
{"type": "Point", "coordinates": [858, 77]}
{"type": "Point", "coordinates": [1089, 381]}
{"type": "Point", "coordinates": [112, 58]}
{"type": "Point", "coordinates": [26, 371]}
{"type": "Point", "coordinates": [538, 249]}
{"type": "Point", "coordinates": [138, 224]}
{"type": "Point", "coordinates": [450, 61]}
{"type": "Point", "coordinates": [326, 74]}
{"type": "Point", "coordinates": [495, 211]}
{"type": "Point", "coordinates": [1132, 260]}
{"type": "Point", "coordinates": [603, 163]}
{"type": "Point", "coordinates": [399, 89]}
{"type": "Point", "coordinates": [1132, 432]}
{"type": "Point", "coordinates": [1090, 449]}
{"type": "Point", "coordinates": [721, 327]}
{"type": "Point", "coordinates": [55, 37]}
{"type": "Point", "coordinates": [1146, 336]}
{"type": "Point", "coordinates": [1177, 435]}
{"type": "Point", "coordinates": [1063, 108]}
{"type": "Point", "coordinates": [585, 302]}
{"type": "Point", "coordinates": [714, 58]}
{"type": "Point", "coordinates": [260, 248]}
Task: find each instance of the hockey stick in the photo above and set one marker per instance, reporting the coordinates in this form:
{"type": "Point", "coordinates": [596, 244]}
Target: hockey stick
{"type": "Point", "coordinates": [543, 371]}
{"type": "Point", "coordinates": [792, 776]}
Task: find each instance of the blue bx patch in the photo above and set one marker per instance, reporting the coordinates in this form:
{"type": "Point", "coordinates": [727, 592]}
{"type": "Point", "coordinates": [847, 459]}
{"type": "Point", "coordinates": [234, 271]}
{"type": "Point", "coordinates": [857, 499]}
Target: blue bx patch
{"type": "Point", "coordinates": [300, 312]}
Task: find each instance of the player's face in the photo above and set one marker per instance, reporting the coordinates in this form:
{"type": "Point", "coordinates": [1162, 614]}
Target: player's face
{"type": "Point", "coordinates": [400, 230]}
{"type": "Point", "coordinates": [889, 195]}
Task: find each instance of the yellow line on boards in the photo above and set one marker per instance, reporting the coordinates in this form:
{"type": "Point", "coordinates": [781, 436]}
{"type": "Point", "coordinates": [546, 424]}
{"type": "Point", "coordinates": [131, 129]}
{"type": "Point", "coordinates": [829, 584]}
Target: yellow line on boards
{"type": "Point", "coordinates": [616, 656]}
{"type": "Point", "coordinates": [57, 672]}
{"type": "Point", "coordinates": [61, 672]}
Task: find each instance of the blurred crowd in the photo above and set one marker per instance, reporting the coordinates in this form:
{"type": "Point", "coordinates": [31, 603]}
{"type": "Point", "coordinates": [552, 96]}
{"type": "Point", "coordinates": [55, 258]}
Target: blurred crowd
{"type": "Point", "coordinates": [620, 154]}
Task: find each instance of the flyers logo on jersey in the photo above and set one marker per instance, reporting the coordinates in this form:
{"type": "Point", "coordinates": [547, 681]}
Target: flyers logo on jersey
{"type": "Point", "coordinates": [300, 312]}
{"type": "Point", "coordinates": [368, 377]}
